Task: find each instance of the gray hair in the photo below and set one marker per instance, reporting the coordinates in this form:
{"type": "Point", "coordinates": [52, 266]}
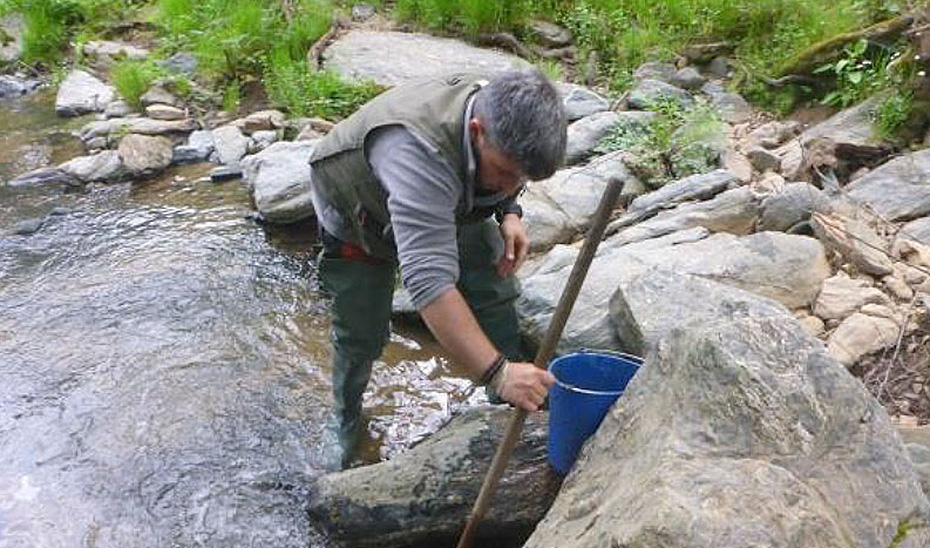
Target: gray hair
{"type": "Point", "coordinates": [523, 117]}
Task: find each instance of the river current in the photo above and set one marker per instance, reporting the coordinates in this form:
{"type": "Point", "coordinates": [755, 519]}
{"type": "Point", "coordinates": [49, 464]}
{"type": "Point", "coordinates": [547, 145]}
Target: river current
{"type": "Point", "coordinates": [164, 372]}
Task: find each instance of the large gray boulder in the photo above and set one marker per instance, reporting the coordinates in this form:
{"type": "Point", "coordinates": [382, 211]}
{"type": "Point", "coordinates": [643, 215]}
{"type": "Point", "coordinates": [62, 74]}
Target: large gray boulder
{"type": "Point", "coordinates": [585, 134]}
{"type": "Point", "coordinates": [144, 126]}
{"type": "Point", "coordinates": [143, 155]}
{"type": "Point", "coordinates": [740, 431]}
{"type": "Point", "coordinates": [580, 101]}
{"type": "Point", "coordinates": [735, 211]}
{"type": "Point", "coordinates": [786, 268]}
{"type": "Point", "coordinates": [791, 205]}
{"type": "Point", "coordinates": [422, 497]}
{"type": "Point", "coordinates": [695, 187]}
{"type": "Point", "coordinates": [279, 178]}
{"type": "Point", "coordinates": [104, 166]}
{"type": "Point", "coordinates": [81, 93]}
{"type": "Point", "coordinates": [360, 55]}
{"type": "Point", "coordinates": [648, 93]}
{"type": "Point", "coordinates": [13, 26]}
{"type": "Point", "coordinates": [899, 190]}
{"type": "Point", "coordinates": [230, 144]}
{"type": "Point", "coordinates": [561, 207]}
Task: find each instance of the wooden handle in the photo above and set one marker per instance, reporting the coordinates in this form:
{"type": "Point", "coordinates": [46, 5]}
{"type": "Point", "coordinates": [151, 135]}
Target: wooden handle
{"type": "Point", "coordinates": [544, 354]}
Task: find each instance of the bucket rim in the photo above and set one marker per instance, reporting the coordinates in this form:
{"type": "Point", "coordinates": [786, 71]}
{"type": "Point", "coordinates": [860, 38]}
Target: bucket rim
{"type": "Point", "coordinates": [572, 388]}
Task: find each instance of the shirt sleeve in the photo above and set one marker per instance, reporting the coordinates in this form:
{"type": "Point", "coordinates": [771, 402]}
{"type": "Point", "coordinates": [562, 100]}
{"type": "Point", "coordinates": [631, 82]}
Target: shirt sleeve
{"type": "Point", "coordinates": [423, 193]}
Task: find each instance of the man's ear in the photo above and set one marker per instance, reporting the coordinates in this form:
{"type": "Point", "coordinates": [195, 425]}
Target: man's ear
{"type": "Point", "coordinates": [476, 130]}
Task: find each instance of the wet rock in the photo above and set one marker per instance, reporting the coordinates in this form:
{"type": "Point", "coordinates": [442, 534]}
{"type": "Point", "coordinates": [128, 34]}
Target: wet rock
{"type": "Point", "coordinates": [791, 205]}
{"type": "Point", "coordinates": [199, 147]}
{"type": "Point", "coordinates": [226, 173]}
{"type": "Point", "coordinates": [143, 155]}
{"type": "Point", "coordinates": [109, 50]}
{"type": "Point", "coordinates": [183, 63]}
{"type": "Point", "coordinates": [359, 55]}
{"type": "Point", "coordinates": [898, 190]}
{"type": "Point", "coordinates": [841, 296]}
{"type": "Point", "coordinates": [855, 240]}
{"type": "Point", "coordinates": [104, 166]}
{"type": "Point", "coordinates": [688, 78]}
{"type": "Point", "coordinates": [648, 93]}
{"type": "Point", "coordinates": [663, 72]}
{"type": "Point", "coordinates": [279, 178]}
{"type": "Point", "coordinates": [695, 187]}
{"type": "Point", "coordinates": [117, 109]}
{"type": "Point", "coordinates": [778, 433]}
{"type": "Point", "coordinates": [362, 12]}
{"type": "Point", "coordinates": [29, 226]}
{"type": "Point", "coordinates": [261, 121]}
{"type": "Point", "coordinates": [735, 211]}
{"type": "Point", "coordinates": [11, 86]}
{"type": "Point", "coordinates": [580, 101]}
{"type": "Point", "coordinates": [144, 126]}
{"type": "Point", "coordinates": [262, 140]}
{"type": "Point", "coordinates": [158, 95]}
{"type": "Point", "coordinates": [45, 176]}
{"type": "Point", "coordinates": [421, 497]}
{"type": "Point", "coordinates": [549, 34]}
{"type": "Point", "coordinates": [230, 144]}
{"type": "Point", "coordinates": [81, 93]}
{"type": "Point", "coordinates": [164, 112]}
{"type": "Point", "coordinates": [788, 269]}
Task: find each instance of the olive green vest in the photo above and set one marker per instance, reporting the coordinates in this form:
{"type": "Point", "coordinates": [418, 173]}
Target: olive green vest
{"type": "Point", "coordinates": [433, 109]}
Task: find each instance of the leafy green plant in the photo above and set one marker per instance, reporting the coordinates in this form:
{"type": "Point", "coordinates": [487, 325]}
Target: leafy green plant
{"type": "Point", "coordinates": [892, 113]}
{"type": "Point", "coordinates": [47, 25]}
{"type": "Point", "coordinates": [292, 85]}
{"type": "Point", "coordinates": [232, 96]}
{"type": "Point", "coordinates": [858, 74]}
{"type": "Point", "coordinates": [469, 16]}
{"type": "Point", "coordinates": [132, 79]}
{"type": "Point", "coordinates": [677, 142]}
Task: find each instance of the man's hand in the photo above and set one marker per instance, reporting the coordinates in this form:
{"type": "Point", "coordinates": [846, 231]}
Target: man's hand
{"type": "Point", "coordinates": [516, 245]}
{"type": "Point", "coordinates": [523, 384]}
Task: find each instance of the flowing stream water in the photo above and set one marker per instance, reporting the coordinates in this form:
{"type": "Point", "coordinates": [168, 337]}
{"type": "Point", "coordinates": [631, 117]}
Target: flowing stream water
{"type": "Point", "coordinates": [164, 373]}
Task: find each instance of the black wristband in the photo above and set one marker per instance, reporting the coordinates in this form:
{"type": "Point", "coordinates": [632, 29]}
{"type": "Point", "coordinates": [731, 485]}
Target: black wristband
{"type": "Point", "coordinates": [513, 208]}
{"type": "Point", "coordinates": [489, 373]}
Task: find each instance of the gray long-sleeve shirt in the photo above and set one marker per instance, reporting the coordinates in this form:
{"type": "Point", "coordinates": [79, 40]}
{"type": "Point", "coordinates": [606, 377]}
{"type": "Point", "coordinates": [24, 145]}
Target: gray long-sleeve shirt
{"type": "Point", "coordinates": [424, 194]}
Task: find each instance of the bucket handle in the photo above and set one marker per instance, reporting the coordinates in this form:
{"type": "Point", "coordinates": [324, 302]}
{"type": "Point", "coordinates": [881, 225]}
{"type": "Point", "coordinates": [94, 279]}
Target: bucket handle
{"type": "Point", "coordinates": [618, 354]}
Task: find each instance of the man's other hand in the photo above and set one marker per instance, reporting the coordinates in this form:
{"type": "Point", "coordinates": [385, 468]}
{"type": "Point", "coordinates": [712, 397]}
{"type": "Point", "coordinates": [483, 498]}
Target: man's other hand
{"type": "Point", "coordinates": [516, 245]}
{"type": "Point", "coordinates": [525, 385]}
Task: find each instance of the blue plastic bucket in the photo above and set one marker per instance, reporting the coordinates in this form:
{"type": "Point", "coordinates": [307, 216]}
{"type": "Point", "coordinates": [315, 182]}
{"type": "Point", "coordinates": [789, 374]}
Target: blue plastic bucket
{"type": "Point", "coordinates": [587, 384]}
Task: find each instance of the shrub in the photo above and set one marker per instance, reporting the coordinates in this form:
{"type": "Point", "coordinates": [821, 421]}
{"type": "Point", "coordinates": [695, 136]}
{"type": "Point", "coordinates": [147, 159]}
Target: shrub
{"type": "Point", "coordinates": [132, 79]}
{"type": "Point", "coordinates": [292, 85]}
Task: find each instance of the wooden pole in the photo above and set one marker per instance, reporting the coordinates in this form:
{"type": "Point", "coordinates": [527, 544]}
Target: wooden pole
{"type": "Point", "coordinates": [544, 354]}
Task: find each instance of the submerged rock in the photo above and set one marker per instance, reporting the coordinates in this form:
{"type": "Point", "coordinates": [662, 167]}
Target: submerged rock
{"type": "Point", "coordinates": [423, 496]}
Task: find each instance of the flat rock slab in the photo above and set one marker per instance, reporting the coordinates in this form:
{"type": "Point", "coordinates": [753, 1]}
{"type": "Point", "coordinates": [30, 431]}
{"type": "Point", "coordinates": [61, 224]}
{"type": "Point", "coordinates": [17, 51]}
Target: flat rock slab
{"type": "Point", "coordinates": [899, 190]}
{"type": "Point", "coordinates": [392, 58]}
{"type": "Point", "coordinates": [423, 496]}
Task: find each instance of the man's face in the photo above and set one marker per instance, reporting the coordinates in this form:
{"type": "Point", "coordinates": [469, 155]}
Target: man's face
{"type": "Point", "coordinates": [496, 172]}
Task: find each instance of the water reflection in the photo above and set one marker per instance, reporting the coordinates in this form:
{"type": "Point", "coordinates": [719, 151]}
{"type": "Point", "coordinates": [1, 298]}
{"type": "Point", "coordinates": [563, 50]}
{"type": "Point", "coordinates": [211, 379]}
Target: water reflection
{"type": "Point", "coordinates": [164, 370]}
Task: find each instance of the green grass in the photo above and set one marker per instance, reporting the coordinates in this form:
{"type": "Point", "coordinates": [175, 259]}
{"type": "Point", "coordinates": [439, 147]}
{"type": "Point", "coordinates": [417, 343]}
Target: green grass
{"type": "Point", "coordinates": [291, 85]}
{"type": "Point", "coordinates": [132, 79]}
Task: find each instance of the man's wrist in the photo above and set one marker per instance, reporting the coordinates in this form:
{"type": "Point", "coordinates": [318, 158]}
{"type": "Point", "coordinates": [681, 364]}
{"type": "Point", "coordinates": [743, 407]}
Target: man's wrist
{"type": "Point", "coordinates": [512, 208]}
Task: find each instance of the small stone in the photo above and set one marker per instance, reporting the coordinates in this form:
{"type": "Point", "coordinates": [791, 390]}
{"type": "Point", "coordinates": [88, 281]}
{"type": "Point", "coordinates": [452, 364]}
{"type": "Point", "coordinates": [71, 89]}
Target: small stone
{"type": "Point", "coordinates": [550, 34]}
{"type": "Point", "coordinates": [688, 78]}
{"type": "Point", "coordinates": [29, 226]}
{"type": "Point", "coordinates": [164, 112]}
{"type": "Point", "coordinates": [763, 160]}
{"type": "Point", "coordinates": [225, 173]}
{"type": "Point", "coordinates": [117, 109]}
{"type": "Point", "coordinates": [719, 67]}
{"type": "Point", "coordinates": [183, 63]}
{"type": "Point", "coordinates": [812, 325]}
{"type": "Point", "coordinates": [59, 211]}
{"type": "Point", "coordinates": [362, 12]}
{"type": "Point", "coordinates": [898, 287]}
